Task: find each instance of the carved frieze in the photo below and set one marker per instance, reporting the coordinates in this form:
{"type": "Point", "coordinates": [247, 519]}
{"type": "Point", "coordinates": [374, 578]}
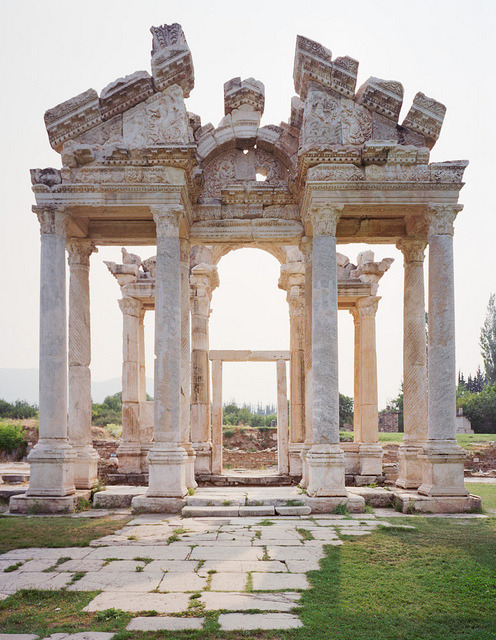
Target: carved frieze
{"type": "Point", "coordinates": [249, 94]}
{"type": "Point", "coordinates": [383, 96]}
{"type": "Point", "coordinates": [335, 173]}
{"type": "Point", "coordinates": [124, 93]}
{"type": "Point", "coordinates": [72, 117]}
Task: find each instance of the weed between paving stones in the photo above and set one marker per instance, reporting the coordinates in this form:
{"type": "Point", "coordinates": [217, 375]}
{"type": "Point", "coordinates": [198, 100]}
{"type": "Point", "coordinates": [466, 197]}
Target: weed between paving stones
{"type": "Point", "coordinates": [59, 562]}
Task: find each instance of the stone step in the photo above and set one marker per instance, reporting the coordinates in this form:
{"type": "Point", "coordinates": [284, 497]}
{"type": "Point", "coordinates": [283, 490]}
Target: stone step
{"type": "Point", "coordinates": [246, 480]}
{"type": "Point", "coordinates": [192, 511]}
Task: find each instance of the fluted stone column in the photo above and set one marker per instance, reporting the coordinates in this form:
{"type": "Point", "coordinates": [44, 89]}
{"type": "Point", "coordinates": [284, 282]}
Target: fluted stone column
{"type": "Point", "coordinates": [186, 367]}
{"type": "Point", "coordinates": [79, 419]}
{"type": "Point", "coordinates": [370, 451]}
{"type": "Point", "coordinates": [306, 249]}
{"type": "Point", "coordinates": [203, 280]}
{"type": "Point", "coordinates": [293, 281]}
{"type": "Point", "coordinates": [282, 419]}
{"type": "Point", "coordinates": [414, 364]}
{"type": "Point", "coordinates": [217, 417]}
{"type": "Point", "coordinates": [326, 461]}
{"type": "Point", "coordinates": [442, 469]}
{"type": "Point", "coordinates": [52, 458]}
{"type": "Point", "coordinates": [167, 458]}
{"type": "Point", "coordinates": [129, 451]}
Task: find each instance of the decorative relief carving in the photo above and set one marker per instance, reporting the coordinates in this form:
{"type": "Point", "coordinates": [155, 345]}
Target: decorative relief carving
{"type": "Point", "coordinates": [412, 248]}
{"type": "Point", "coordinates": [80, 250]}
{"type": "Point", "coordinates": [171, 59]}
{"type": "Point", "coordinates": [325, 219]}
{"type": "Point", "coordinates": [161, 119]}
{"type": "Point", "coordinates": [441, 217]}
{"type": "Point", "coordinates": [167, 219]}
{"type": "Point", "coordinates": [336, 173]}
{"type": "Point", "coordinates": [184, 249]}
{"type": "Point", "coordinates": [53, 220]}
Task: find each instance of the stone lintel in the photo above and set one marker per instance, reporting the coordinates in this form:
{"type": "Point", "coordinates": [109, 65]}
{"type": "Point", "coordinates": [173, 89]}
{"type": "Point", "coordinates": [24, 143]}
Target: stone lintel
{"type": "Point", "coordinates": [228, 355]}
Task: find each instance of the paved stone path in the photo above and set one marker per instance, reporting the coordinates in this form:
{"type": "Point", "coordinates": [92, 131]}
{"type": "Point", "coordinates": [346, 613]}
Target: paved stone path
{"type": "Point", "coordinates": [173, 565]}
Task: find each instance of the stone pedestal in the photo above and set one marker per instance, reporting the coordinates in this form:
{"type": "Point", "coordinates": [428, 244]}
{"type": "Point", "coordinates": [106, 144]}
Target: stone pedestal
{"type": "Point", "coordinates": [52, 458]}
{"type": "Point", "coordinates": [129, 451]}
{"type": "Point", "coordinates": [414, 364]}
{"type": "Point", "coordinates": [325, 459]}
{"type": "Point", "coordinates": [79, 419]}
{"type": "Point", "coordinates": [167, 459]}
{"type": "Point", "coordinates": [442, 469]}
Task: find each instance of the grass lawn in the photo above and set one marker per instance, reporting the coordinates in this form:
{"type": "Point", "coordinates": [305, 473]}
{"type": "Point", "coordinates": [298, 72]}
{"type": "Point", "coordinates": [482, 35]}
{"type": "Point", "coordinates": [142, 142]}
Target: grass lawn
{"type": "Point", "coordinates": [463, 439]}
{"type": "Point", "coordinates": [486, 491]}
{"type": "Point", "coordinates": [37, 531]}
{"type": "Point", "coordinates": [437, 582]}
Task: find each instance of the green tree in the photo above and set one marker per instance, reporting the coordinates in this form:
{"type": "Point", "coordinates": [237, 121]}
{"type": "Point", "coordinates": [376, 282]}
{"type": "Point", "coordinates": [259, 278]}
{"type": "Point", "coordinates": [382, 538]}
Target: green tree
{"type": "Point", "coordinates": [397, 405]}
{"type": "Point", "coordinates": [345, 410]}
{"type": "Point", "coordinates": [480, 408]}
{"type": "Point", "coordinates": [488, 341]}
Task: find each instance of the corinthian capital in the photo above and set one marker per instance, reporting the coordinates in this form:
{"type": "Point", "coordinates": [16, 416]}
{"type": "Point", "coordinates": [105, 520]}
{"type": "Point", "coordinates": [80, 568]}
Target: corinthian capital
{"type": "Point", "coordinates": [412, 248]}
{"type": "Point", "coordinates": [53, 220]}
{"type": "Point", "coordinates": [325, 219]}
{"type": "Point", "coordinates": [80, 250]}
{"type": "Point", "coordinates": [130, 306]}
{"type": "Point", "coordinates": [167, 218]}
{"type": "Point", "coordinates": [440, 218]}
{"type": "Point", "coordinates": [367, 306]}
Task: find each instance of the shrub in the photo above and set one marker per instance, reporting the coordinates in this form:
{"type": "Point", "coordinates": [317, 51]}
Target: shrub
{"type": "Point", "coordinates": [12, 439]}
{"type": "Point", "coordinates": [346, 436]}
{"type": "Point", "coordinates": [20, 410]}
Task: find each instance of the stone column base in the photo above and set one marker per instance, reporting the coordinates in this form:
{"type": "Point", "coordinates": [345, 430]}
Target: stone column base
{"type": "Point", "coordinates": [326, 465]}
{"type": "Point", "coordinates": [51, 470]}
{"type": "Point", "coordinates": [442, 469]}
{"type": "Point", "coordinates": [144, 504]}
{"type": "Point", "coordinates": [189, 471]}
{"type": "Point", "coordinates": [146, 447]}
{"type": "Point", "coordinates": [295, 461]}
{"type": "Point", "coordinates": [129, 455]}
{"type": "Point", "coordinates": [410, 466]}
{"type": "Point", "coordinates": [304, 465]}
{"type": "Point", "coordinates": [32, 505]}
{"type": "Point", "coordinates": [167, 471]}
{"type": "Point", "coordinates": [203, 461]}
{"type": "Point", "coordinates": [370, 459]}
{"type": "Point", "coordinates": [85, 466]}
{"type": "Point", "coordinates": [412, 502]}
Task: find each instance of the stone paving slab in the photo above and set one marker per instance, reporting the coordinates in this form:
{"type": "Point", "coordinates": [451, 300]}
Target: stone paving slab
{"type": "Point", "coordinates": [276, 581]}
{"type": "Point", "coordinates": [172, 566]}
{"type": "Point", "coordinates": [295, 553]}
{"type": "Point", "coordinates": [12, 582]}
{"type": "Point", "coordinates": [117, 581]}
{"type": "Point", "coordinates": [182, 582]}
{"type": "Point", "coordinates": [139, 601]}
{"type": "Point", "coordinates": [83, 635]}
{"type": "Point", "coordinates": [254, 621]}
{"type": "Point", "coordinates": [243, 601]}
{"type": "Point", "coordinates": [227, 553]}
{"type": "Point", "coordinates": [237, 566]}
{"type": "Point", "coordinates": [164, 623]}
{"type": "Point", "coordinates": [230, 581]}
{"type": "Point", "coordinates": [166, 552]}
{"type": "Point", "coordinates": [18, 636]}
{"type": "Point", "coordinates": [302, 566]}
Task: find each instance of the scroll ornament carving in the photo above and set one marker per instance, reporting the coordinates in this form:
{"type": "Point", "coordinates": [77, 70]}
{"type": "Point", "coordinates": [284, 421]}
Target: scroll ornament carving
{"type": "Point", "coordinates": [80, 250]}
{"type": "Point", "coordinates": [167, 218]}
{"type": "Point", "coordinates": [367, 306]}
{"type": "Point", "coordinates": [53, 220]}
{"type": "Point", "coordinates": [130, 306]}
{"type": "Point", "coordinates": [184, 249]}
{"type": "Point", "coordinates": [412, 248]}
{"type": "Point", "coordinates": [325, 220]}
{"type": "Point", "coordinates": [441, 217]}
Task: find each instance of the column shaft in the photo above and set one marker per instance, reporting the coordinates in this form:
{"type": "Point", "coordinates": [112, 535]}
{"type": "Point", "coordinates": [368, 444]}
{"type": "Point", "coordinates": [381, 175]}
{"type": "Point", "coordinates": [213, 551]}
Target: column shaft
{"type": "Point", "coordinates": [282, 418]}
{"type": "Point", "coordinates": [52, 458]}
{"type": "Point", "coordinates": [442, 472]}
{"type": "Point", "coordinates": [79, 418]}
{"type": "Point", "coordinates": [217, 417]}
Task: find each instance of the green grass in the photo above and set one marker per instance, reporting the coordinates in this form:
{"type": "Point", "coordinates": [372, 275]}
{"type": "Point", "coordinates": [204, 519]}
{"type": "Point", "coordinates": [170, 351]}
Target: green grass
{"type": "Point", "coordinates": [463, 439]}
{"type": "Point", "coordinates": [21, 532]}
{"type": "Point", "coordinates": [486, 491]}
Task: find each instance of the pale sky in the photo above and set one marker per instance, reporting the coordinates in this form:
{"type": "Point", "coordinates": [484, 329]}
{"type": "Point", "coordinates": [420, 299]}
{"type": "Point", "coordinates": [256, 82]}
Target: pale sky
{"type": "Point", "coordinates": [53, 50]}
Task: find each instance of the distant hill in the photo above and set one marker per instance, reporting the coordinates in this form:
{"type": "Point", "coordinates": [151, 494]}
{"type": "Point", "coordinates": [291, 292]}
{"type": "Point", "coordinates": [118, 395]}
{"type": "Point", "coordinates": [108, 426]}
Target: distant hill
{"type": "Point", "coordinates": [22, 384]}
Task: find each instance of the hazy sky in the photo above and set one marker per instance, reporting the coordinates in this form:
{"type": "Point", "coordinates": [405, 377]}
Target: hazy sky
{"type": "Point", "coordinates": [54, 50]}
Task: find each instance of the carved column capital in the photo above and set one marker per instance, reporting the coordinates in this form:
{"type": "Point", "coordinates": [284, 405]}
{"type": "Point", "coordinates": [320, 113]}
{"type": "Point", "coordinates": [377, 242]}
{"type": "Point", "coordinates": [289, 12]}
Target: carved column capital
{"type": "Point", "coordinates": [130, 306]}
{"type": "Point", "coordinates": [325, 219]}
{"type": "Point", "coordinates": [203, 281]}
{"type": "Point", "coordinates": [367, 306]}
{"type": "Point", "coordinates": [80, 250]}
{"type": "Point", "coordinates": [53, 220]}
{"type": "Point", "coordinates": [440, 218]}
{"type": "Point", "coordinates": [412, 248]}
{"type": "Point", "coordinates": [167, 219]}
